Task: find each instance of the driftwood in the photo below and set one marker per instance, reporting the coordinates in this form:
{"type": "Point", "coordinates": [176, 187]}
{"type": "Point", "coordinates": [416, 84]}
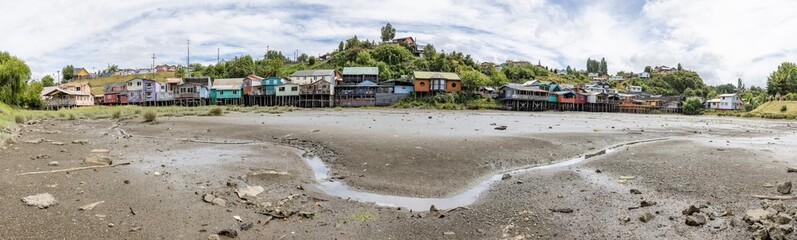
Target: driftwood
{"type": "Point", "coordinates": [775, 197]}
{"type": "Point", "coordinates": [72, 169]}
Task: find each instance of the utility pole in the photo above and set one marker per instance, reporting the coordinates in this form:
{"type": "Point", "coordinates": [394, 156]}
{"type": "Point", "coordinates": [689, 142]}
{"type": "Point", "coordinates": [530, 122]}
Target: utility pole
{"type": "Point", "coordinates": [188, 57]}
{"type": "Point", "coordinates": [58, 77]}
{"type": "Point", "coordinates": [153, 66]}
{"type": "Point", "coordinates": [218, 55]}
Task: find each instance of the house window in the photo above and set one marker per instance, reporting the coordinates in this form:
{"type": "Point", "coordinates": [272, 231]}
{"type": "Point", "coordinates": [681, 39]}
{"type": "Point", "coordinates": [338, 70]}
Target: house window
{"type": "Point", "coordinates": [438, 84]}
{"type": "Point", "coordinates": [234, 92]}
{"type": "Point", "coordinates": [453, 85]}
{"type": "Point", "coordinates": [294, 89]}
{"type": "Point", "coordinates": [77, 89]}
{"type": "Point", "coordinates": [423, 84]}
{"type": "Point", "coordinates": [130, 84]}
{"type": "Point", "coordinates": [282, 89]}
{"type": "Point", "coordinates": [138, 84]}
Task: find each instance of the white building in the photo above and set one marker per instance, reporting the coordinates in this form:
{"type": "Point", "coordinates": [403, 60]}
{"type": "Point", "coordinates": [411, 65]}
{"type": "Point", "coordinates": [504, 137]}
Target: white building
{"type": "Point", "coordinates": [634, 89]}
{"type": "Point", "coordinates": [726, 102]}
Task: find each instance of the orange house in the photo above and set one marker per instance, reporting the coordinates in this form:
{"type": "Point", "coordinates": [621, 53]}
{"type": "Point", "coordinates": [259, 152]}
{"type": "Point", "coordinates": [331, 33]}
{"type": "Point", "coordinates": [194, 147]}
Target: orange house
{"type": "Point", "coordinates": [437, 82]}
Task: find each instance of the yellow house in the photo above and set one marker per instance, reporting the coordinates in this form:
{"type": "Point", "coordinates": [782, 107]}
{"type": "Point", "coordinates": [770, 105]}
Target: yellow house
{"type": "Point", "coordinates": [81, 73]}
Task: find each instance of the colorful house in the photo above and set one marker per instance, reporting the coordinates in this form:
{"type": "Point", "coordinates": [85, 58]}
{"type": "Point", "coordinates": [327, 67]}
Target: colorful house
{"type": "Point", "coordinates": [270, 85]}
{"type": "Point", "coordinates": [515, 91]}
{"type": "Point", "coordinates": [426, 82]}
{"type": "Point", "coordinates": [81, 73]}
{"type": "Point", "coordinates": [140, 90]}
{"type": "Point", "coordinates": [726, 102]}
{"type": "Point", "coordinates": [356, 75]}
{"type": "Point", "coordinates": [287, 89]}
{"type": "Point", "coordinates": [226, 91]}
{"type": "Point", "coordinates": [252, 85]}
{"type": "Point", "coordinates": [114, 93]}
{"type": "Point", "coordinates": [58, 98]}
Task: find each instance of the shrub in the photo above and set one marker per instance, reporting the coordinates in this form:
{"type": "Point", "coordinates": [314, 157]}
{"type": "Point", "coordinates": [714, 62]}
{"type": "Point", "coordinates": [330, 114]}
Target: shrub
{"type": "Point", "coordinates": [150, 116]}
{"type": "Point", "coordinates": [62, 114]}
{"type": "Point", "coordinates": [19, 119]}
{"type": "Point", "coordinates": [693, 106]}
{"type": "Point", "coordinates": [216, 111]}
{"type": "Point", "coordinates": [783, 108]}
{"type": "Point", "coordinates": [116, 114]}
{"type": "Point", "coordinates": [72, 116]}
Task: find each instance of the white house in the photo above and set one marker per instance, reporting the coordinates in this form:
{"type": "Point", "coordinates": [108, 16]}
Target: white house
{"type": "Point", "coordinates": [634, 89]}
{"type": "Point", "coordinates": [644, 75]}
{"type": "Point", "coordinates": [726, 102]}
{"type": "Point", "coordinates": [616, 78]}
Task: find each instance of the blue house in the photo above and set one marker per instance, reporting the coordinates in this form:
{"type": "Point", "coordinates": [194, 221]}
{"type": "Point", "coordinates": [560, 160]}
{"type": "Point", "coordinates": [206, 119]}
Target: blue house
{"type": "Point", "coordinates": [270, 85]}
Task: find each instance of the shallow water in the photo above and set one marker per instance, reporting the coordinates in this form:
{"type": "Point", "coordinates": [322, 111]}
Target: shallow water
{"type": "Point", "coordinates": [465, 198]}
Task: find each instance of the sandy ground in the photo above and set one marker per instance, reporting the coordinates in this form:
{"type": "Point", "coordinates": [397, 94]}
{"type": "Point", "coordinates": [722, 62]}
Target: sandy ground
{"type": "Point", "coordinates": [714, 162]}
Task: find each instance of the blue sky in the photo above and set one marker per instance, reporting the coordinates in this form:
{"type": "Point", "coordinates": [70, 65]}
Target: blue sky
{"type": "Point", "coordinates": [721, 40]}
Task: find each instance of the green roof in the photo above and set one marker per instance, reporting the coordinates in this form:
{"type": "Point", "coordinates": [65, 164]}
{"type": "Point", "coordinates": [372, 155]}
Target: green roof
{"type": "Point", "coordinates": [360, 71]}
{"type": "Point", "coordinates": [437, 75]}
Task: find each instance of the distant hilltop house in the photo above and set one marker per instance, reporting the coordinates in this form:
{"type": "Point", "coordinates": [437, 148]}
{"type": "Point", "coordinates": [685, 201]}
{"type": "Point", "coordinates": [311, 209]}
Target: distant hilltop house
{"type": "Point", "coordinates": [634, 89]}
{"type": "Point", "coordinates": [517, 62]}
{"type": "Point", "coordinates": [411, 44]}
{"type": "Point", "coordinates": [165, 68]}
{"type": "Point", "coordinates": [616, 78]}
{"type": "Point", "coordinates": [125, 72]}
{"type": "Point", "coordinates": [81, 73]}
{"type": "Point", "coordinates": [644, 75]}
{"type": "Point", "coordinates": [729, 101]}
{"type": "Point", "coordinates": [664, 69]}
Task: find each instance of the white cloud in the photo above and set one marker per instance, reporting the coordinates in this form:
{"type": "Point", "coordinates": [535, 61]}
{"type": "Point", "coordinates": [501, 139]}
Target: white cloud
{"type": "Point", "coordinates": [722, 40]}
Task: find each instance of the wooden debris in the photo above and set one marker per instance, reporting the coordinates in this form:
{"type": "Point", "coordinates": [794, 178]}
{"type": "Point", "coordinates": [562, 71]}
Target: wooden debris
{"type": "Point", "coordinates": [72, 169]}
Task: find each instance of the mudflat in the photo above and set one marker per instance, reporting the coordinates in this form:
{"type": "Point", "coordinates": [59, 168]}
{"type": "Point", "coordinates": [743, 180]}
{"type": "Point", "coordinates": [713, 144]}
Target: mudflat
{"type": "Point", "coordinates": [188, 177]}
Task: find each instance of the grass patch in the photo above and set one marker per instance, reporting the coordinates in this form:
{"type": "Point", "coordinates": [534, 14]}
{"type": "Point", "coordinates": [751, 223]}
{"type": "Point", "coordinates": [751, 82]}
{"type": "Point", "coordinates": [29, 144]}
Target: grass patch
{"type": "Point", "coordinates": [116, 114]}
{"type": "Point", "coordinates": [150, 116]}
{"type": "Point", "coordinates": [449, 101]}
{"type": "Point", "coordinates": [362, 216]}
{"type": "Point", "coordinates": [216, 111]}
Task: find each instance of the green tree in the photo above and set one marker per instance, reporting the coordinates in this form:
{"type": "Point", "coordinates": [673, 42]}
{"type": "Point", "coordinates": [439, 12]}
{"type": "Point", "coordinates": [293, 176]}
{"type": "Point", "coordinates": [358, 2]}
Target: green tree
{"type": "Point", "coordinates": [68, 73]}
{"type": "Point", "coordinates": [341, 46]}
{"type": "Point", "coordinates": [648, 69]}
{"type": "Point", "coordinates": [498, 79]}
{"type": "Point", "coordinates": [679, 67]}
{"type": "Point", "coordinates": [473, 79]}
{"type": "Point", "coordinates": [303, 58]}
{"type": "Point", "coordinates": [388, 33]}
{"type": "Point", "coordinates": [693, 106]}
{"type": "Point", "coordinates": [48, 81]}
{"type": "Point", "coordinates": [240, 67]}
{"type": "Point", "coordinates": [391, 54]}
{"type": "Point", "coordinates": [725, 88]}
{"type": "Point", "coordinates": [783, 80]}
{"type": "Point", "coordinates": [311, 61]}
{"type": "Point", "coordinates": [14, 74]}
{"type": "Point", "coordinates": [429, 52]}
{"type": "Point", "coordinates": [604, 68]}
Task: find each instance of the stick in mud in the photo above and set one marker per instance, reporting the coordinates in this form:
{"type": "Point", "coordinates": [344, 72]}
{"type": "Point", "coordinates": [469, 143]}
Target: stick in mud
{"type": "Point", "coordinates": [72, 169]}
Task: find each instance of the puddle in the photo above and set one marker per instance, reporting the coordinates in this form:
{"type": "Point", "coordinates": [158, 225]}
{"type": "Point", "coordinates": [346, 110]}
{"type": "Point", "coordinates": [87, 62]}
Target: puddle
{"type": "Point", "coordinates": [465, 198]}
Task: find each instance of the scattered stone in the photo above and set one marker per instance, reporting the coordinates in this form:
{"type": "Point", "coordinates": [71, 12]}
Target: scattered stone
{"type": "Point", "coordinates": [433, 209]}
{"type": "Point", "coordinates": [635, 191]}
{"type": "Point", "coordinates": [500, 128]}
{"type": "Point", "coordinates": [136, 229]}
{"type": "Point", "coordinates": [247, 226]}
{"type": "Point", "coordinates": [506, 176]}
{"type": "Point", "coordinates": [90, 206]}
{"type": "Point", "coordinates": [308, 215]}
{"type": "Point", "coordinates": [210, 198]}
{"type": "Point", "coordinates": [156, 173]}
{"type": "Point", "coordinates": [598, 171]}
{"type": "Point", "coordinates": [791, 169]}
{"type": "Point", "coordinates": [784, 188]}
{"type": "Point", "coordinates": [448, 233]}
{"type": "Point", "coordinates": [775, 232]}
{"type": "Point", "coordinates": [249, 191]}
{"type": "Point", "coordinates": [81, 142]}
{"type": "Point", "coordinates": [561, 210]}
{"type": "Point", "coordinates": [315, 131]}
{"type": "Point", "coordinates": [238, 218]}
{"type": "Point", "coordinates": [695, 220]}
{"type": "Point", "coordinates": [756, 215]}
{"type": "Point", "coordinates": [127, 181]}
{"type": "Point", "coordinates": [53, 164]}
{"type": "Point", "coordinates": [219, 202]}
{"type": "Point", "coordinates": [213, 237]}
{"type": "Point", "coordinates": [110, 225]}
{"type": "Point", "coordinates": [232, 184]}
{"type": "Point", "coordinates": [782, 218]}
{"type": "Point", "coordinates": [42, 200]}
{"type": "Point", "coordinates": [40, 156]}
{"type": "Point", "coordinates": [647, 203]}
{"type": "Point", "coordinates": [768, 185]}
{"type": "Point", "coordinates": [646, 217]}
{"type": "Point", "coordinates": [37, 141]}
{"type": "Point", "coordinates": [728, 212]}
{"type": "Point", "coordinates": [625, 219]}
{"type": "Point", "coordinates": [690, 210]}
{"type": "Point", "coordinates": [58, 143]}
{"type": "Point", "coordinates": [230, 233]}
{"type": "Point", "coordinates": [97, 159]}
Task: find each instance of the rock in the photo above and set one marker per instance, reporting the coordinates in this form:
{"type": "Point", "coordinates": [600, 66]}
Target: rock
{"type": "Point", "coordinates": [782, 218]}
{"type": "Point", "coordinates": [136, 229]}
{"type": "Point", "coordinates": [561, 210]}
{"type": "Point", "coordinates": [695, 220]}
{"type": "Point", "coordinates": [213, 237]}
{"type": "Point", "coordinates": [690, 210]}
{"type": "Point", "coordinates": [775, 232]}
{"type": "Point", "coordinates": [249, 191]}
{"type": "Point", "coordinates": [219, 202]}
{"type": "Point", "coordinates": [787, 228]}
{"type": "Point", "coordinates": [635, 191]}
{"type": "Point", "coordinates": [127, 181]}
{"type": "Point", "coordinates": [42, 200]}
{"type": "Point", "coordinates": [598, 171]}
{"type": "Point", "coordinates": [230, 233]}
{"type": "Point", "coordinates": [448, 233]}
{"type": "Point", "coordinates": [97, 159]}
{"type": "Point", "coordinates": [90, 206]}
{"type": "Point", "coordinates": [506, 176]}
{"type": "Point", "coordinates": [100, 151]}
{"type": "Point", "coordinates": [40, 156]}
{"type": "Point", "coordinates": [232, 184]}
{"type": "Point", "coordinates": [247, 226]}
{"type": "Point", "coordinates": [208, 198]}
{"type": "Point", "coordinates": [756, 215]}
{"type": "Point", "coordinates": [110, 225]}
{"type": "Point", "coordinates": [646, 217]}
{"type": "Point", "coordinates": [81, 142]}
{"type": "Point", "coordinates": [433, 208]}
{"type": "Point", "coordinates": [760, 234]}
{"type": "Point", "coordinates": [728, 212]}
{"type": "Point", "coordinates": [774, 204]}
{"type": "Point", "coordinates": [500, 128]}
{"type": "Point", "coordinates": [58, 143]}
{"type": "Point", "coordinates": [303, 214]}
{"type": "Point", "coordinates": [238, 218]}
{"type": "Point", "coordinates": [791, 169]}
{"type": "Point", "coordinates": [53, 164]}
{"type": "Point", "coordinates": [625, 219]}
{"type": "Point", "coordinates": [784, 188]}
{"type": "Point", "coordinates": [37, 141]}
{"type": "Point", "coordinates": [647, 203]}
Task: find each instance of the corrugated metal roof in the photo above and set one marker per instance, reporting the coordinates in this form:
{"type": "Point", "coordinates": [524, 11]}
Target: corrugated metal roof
{"type": "Point", "coordinates": [65, 91]}
{"type": "Point", "coordinates": [523, 88]}
{"type": "Point", "coordinates": [360, 71]}
{"type": "Point", "coordinates": [226, 87]}
{"type": "Point", "coordinates": [47, 90]}
{"type": "Point", "coordinates": [228, 82]}
{"type": "Point", "coordinates": [437, 75]}
{"type": "Point", "coordinates": [174, 80]}
{"type": "Point", "coordinates": [310, 73]}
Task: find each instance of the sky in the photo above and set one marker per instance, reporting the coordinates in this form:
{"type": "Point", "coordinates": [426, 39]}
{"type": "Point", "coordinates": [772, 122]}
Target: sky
{"type": "Point", "coordinates": [722, 40]}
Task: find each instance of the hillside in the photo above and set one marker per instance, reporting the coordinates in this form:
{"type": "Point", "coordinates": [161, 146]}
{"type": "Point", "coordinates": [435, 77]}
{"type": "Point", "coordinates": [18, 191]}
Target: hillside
{"type": "Point", "coordinates": [98, 84]}
{"type": "Point", "coordinates": [774, 107]}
